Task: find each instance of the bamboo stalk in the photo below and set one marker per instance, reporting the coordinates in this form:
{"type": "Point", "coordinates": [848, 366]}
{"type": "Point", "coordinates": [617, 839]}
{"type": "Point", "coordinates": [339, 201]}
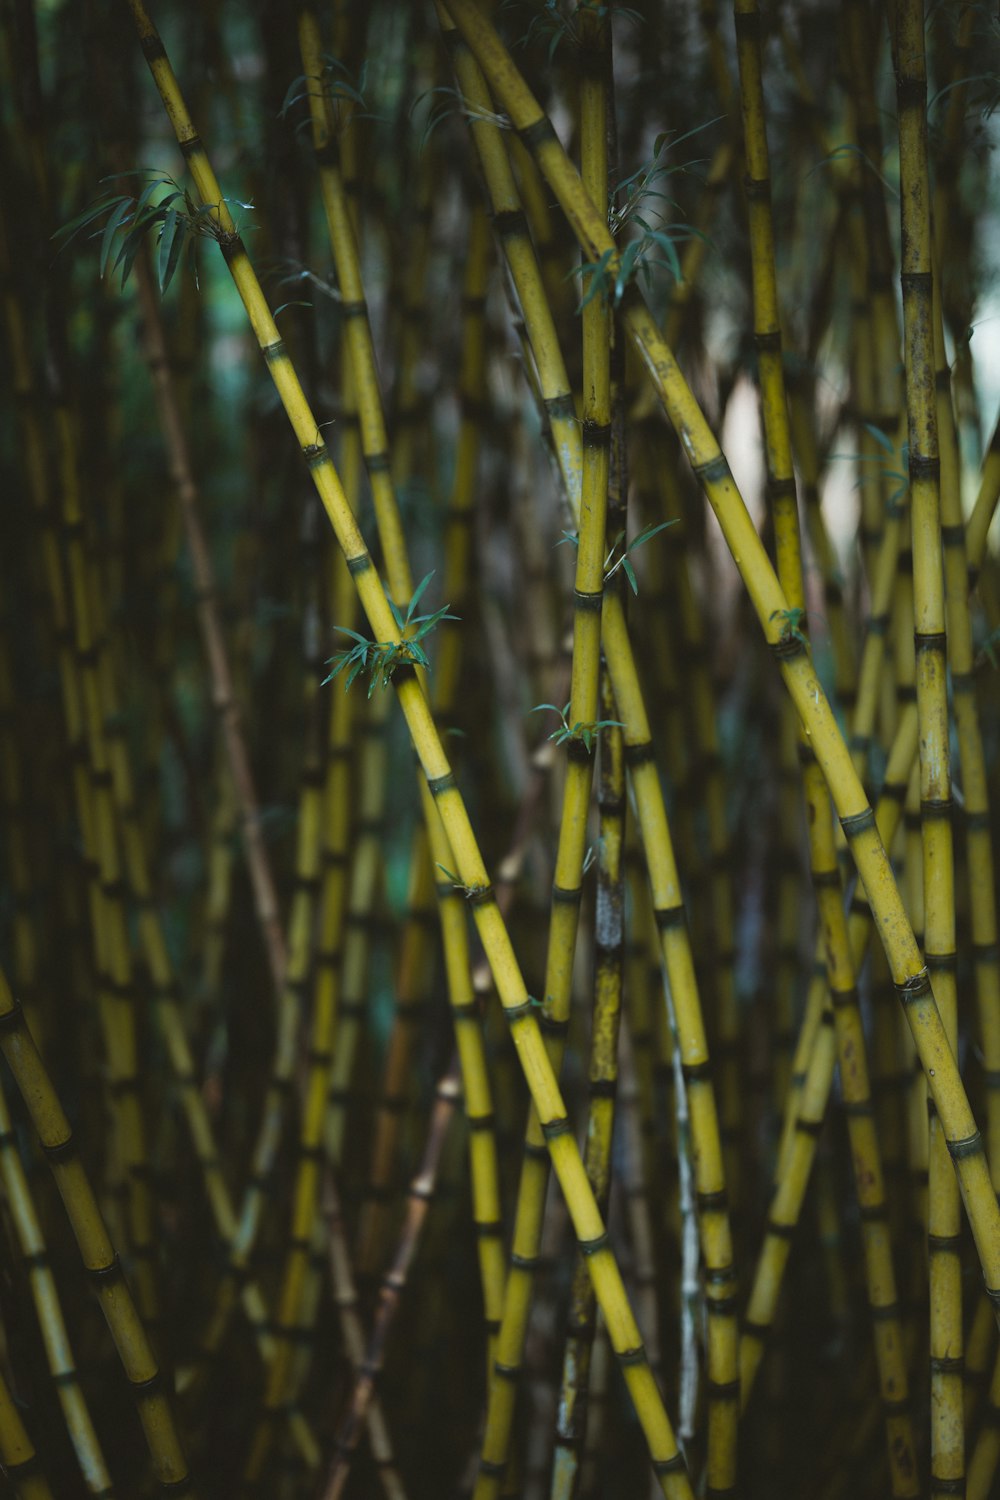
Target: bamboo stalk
{"type": "Point", "coordinates": [420, 1196]}
{"type": "Point", "coordinates": [851, 1048]}
{"type": "Point", "coordinates": [944, 1225]}
{"type": "Point", "coordinates": [97, 1253]}
{"type": "Point", "coordinates": [58, 1349]}
{"type": "Point", "coordinates": [714, 1219]}
{"type": "Point", "coordinates": [517, 1003]}
{"type": "Point", "coordinates": [20, 1461]}
{"type": "Point", "coordinates": [770, 604]}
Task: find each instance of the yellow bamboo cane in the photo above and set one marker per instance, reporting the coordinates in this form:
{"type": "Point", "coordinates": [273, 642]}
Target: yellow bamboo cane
{"type": "Point", "coordinates": [20, 1461]}
{"type": "Point", "coordinates": [97, 1252]}
{"type": "Point", "coordinates": [517, 1003]}
{"type": "Point", "coordinates": [58, 1350]}
{"type": "Point", "coordinates": [850, 1037]}
{"type": "Point", "coordinates": [947, 1435]}
{"type": "Point", "coordinates": [910, 975]}
{"type": "Point", "coordinates": [664, 878]}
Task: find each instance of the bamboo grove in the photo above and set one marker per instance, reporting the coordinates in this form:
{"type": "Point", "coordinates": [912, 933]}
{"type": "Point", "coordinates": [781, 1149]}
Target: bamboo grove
{"type": "Point", "coordinates": [499, 632]}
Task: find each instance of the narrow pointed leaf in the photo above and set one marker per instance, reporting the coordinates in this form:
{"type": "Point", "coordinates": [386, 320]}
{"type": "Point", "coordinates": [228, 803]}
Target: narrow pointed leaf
{"type": "Point", "coordinates": [417, 594]}
{"type": "Point", "coordinates": [172, 237]}
{"type": "Point", "coordinates": [110, 230]}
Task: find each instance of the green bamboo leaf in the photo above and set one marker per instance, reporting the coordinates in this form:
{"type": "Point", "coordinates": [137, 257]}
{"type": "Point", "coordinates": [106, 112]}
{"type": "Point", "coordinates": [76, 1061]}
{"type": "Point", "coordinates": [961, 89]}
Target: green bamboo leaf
{"type": "Point", "coordinates": [73, 226]}
{"type": "Point", "coordinates": [649, 532]}
{"type": "Point", "coordinates": [883, 440]}
{"type": "Point", "coordinates": [296, 90]}
{"type": "Point", "coordinates": [126, 256]}
{"type": "Point", "coordinates": [145, 196]}
{"type": "Point", "coordinates": [110, 230]}
{"type": "Point", "coordinates": [666, 244]}
{"type": "Point", "coordinates": [154, 172]}
{"type": "Point", "coordinates": [158, 209]}
{"type": "Point", "coordinates": [679, 140]}
{"type": "Point", "coordinates": [172, 236]}
{"type": "Point", "coordinates": [629, 572]}
{"type": "Point", "coordinates": [355, 671]}
{"type": "Point", "coordinates": [428, 622]}
{"type": "Point", "coordinates": [418, 594]}
{"type": "Point", "coordinates": [339, 88]}
{"type": "Point", "coordinates": [281, 309]}
{"type": "Point", "coordinates": [627, 266]}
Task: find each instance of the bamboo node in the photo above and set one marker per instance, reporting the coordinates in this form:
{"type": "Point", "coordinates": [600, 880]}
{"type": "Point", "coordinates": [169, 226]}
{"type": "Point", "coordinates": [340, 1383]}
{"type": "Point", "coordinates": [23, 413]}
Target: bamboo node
{"type": "Point", "coordinates": [560, 408]}
{"type": "Point", "coordinates": [437, 785]}
{"type": "Point", "coordinates": [723, 1390]}
{"type": "Point", "coordinates": [713, 1202]}
{"type": "Point", "coordinates": [152, 48]}
{"type": "Point", "coordinates": [965, 1147]}
{"type": "Point", "coordinates": [107, 1275]}
{"type": "Point", "coordinates": [11, 1019]}
{"type": "Point", "coordinates": [638, 755]}
{"type": "Point", "coordinates": [856, 824]}
{"type": "Point", "coordinates": [60, 1151]}
{"type": "Point", "coordinates": [521, 1012]}
{"type": "Point", "coordinates": [539, 133]}
{"type": "Point", "coordinates": [661, 1466]}
{"type": "Point", "coordinates": [635, 1356]}
{"type": "Point", "coordinates": [924, 467]}
{"type": "Point", "coordinates": [915, 987]}
{"type": "Point", "coordinates": [714, 471]}
{"type": "Point", "coordinates": [596, 434]}
{"type": "Point", "coordinates": [594, 1246]}
{"type": "Point", "coordinates": [722, 1307]}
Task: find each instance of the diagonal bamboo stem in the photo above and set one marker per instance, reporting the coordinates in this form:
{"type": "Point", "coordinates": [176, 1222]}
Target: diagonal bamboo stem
{"type": "Point", "coordinates": [565, 1155]}
{"type": "Point", "coordinates": [910, 975]}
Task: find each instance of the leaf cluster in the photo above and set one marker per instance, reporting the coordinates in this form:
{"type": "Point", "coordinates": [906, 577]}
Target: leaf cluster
{"type": "Point", "coordinates": [792, 622]}
{"type": "Point", "coordinates": [657, 245]}
{"type": "Point", "coordinates": [448, 101]}
{"type": "Point", "coordinates": [468, 891]}
{"type": "Point", "coordinates": [175, 219]}
{"type": "Point", "coordinates": [337, 85]}
{"type": "Point", "coordinates": [985, 99]}
{"type": "Point", "coordinates": [584, 733]}
{"type": "Point", "coordinates": [655, 248]}
{"type": "Point", "coordinates": [380, 659]}
{"type": "Point", "coordinates": [901, 474]}
{"type": "Point", "coordinates": [616, 560]}
{"type": "Point", "coordinates": [552, 24]}
{"type": "Point", "coordinates": [633, 192]}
